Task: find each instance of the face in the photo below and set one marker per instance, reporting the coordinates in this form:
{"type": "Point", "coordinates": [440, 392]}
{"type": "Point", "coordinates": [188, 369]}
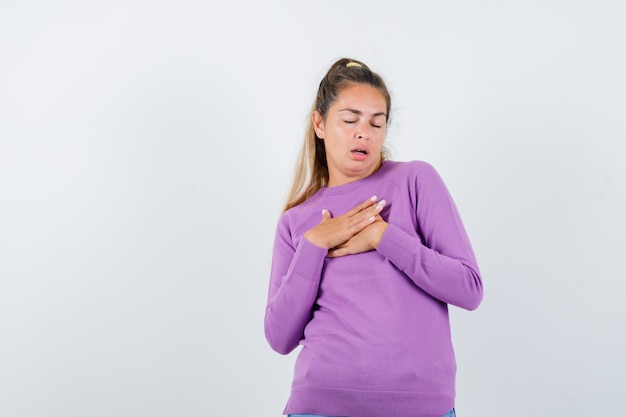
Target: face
{"type": "Point", "coordinates": [353, 133]}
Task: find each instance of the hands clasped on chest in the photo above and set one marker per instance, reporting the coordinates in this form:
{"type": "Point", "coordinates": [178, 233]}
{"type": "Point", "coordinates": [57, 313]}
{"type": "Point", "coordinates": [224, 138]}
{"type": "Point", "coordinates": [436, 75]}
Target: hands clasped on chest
{"type": "Point", "coordinates": [359, 230]}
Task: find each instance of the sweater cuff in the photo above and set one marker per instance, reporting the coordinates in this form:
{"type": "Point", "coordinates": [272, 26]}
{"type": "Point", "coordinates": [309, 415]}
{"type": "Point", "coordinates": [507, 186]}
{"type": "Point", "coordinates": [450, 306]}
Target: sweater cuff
{"type": "Point", "coordinates": [399, 247]}
{"type": "Point", "coordinates": [308, 260]}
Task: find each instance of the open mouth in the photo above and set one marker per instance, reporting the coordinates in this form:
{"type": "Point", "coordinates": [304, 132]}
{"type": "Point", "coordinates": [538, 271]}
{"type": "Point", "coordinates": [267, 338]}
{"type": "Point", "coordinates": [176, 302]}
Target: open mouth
{"type": "Point", "coordinates": [359, 151]}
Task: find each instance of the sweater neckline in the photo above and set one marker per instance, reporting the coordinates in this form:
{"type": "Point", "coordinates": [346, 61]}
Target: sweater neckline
{"type": "Point", "coordinates": [351, 186]}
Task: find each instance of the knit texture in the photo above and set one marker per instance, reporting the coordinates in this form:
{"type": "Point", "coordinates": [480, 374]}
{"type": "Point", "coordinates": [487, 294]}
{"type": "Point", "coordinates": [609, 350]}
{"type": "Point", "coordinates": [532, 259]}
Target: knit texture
{"type": "Point", "coordinates": [374, 327]}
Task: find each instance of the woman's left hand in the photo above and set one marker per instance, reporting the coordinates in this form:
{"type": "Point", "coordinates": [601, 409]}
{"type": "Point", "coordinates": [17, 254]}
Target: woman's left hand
{"type": "Point", "coordinates": [364, 241]}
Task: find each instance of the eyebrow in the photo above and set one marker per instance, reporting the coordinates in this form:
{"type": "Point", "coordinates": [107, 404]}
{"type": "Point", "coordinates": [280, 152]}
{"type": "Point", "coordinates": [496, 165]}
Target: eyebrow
{"type": "Point", "coordinates": [359, 112]}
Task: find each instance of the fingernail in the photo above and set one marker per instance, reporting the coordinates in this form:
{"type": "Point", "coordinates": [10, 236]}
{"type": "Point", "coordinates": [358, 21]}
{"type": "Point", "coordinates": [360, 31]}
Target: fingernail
{"type": "Point", "coordinates": [372, 218]}
{"type": "Point", "coordinates": [324, 211]}
{"type": "Point", "coordinates": [374, 198]}
{"type": "Point", "coordinates": [381, 203]}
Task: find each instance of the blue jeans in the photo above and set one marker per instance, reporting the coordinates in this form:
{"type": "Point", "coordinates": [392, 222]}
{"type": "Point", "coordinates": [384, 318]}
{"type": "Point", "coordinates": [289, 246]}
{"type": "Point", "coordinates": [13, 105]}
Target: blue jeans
{"type": "Point", "coordinates": [450, 413]}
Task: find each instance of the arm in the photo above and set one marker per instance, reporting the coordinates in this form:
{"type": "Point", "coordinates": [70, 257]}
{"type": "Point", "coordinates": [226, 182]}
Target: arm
{"type": "Point", "coordinates": [296, 271]}
{"type": "Point", "coordinates": [442, 262]}
{"type": "Point", "coordinates": [294, 283]}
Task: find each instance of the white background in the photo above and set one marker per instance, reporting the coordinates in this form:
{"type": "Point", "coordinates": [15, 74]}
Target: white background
{"type": "Point", "coordinates": [146, 149]}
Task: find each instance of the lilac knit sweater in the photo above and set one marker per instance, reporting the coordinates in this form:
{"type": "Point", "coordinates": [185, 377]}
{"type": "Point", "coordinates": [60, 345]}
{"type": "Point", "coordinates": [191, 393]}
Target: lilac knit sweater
{"type": "Point", "coordinates": [374, 327]}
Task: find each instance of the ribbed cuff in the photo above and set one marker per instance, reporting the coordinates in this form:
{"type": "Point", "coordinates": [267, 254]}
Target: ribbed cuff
{"type": "Point", "coordinates": [399, 247]}
{"type": "Point", "coordinates": [308, 260]}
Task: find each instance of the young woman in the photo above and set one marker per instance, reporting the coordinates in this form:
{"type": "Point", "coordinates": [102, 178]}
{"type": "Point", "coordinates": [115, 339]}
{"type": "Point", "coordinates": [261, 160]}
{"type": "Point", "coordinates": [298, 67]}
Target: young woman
{"type": "Point", "coordinates": [367, 256]}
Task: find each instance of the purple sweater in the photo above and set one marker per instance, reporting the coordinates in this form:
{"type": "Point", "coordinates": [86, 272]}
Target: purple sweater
{"type": "Point", "coordinates": [374, 327]}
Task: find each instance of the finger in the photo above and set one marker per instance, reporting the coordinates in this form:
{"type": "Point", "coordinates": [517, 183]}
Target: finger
{"type": "Point", "coordinates": [336, 252]}
{"type": "Point", "coordinates": [367, 203]}
{"type": "Point", "coordinates": [366, 217]}
{"type": "Point", "coordinates": [378, 207]}
{"type": "Point", "coordinates": [326, 214]}
{"type": "Point", "coordinates": [369, 215]}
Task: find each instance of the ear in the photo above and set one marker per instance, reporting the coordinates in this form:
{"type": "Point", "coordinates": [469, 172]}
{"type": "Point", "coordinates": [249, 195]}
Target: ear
{"type": "Point", "coordinates": [318, 123]}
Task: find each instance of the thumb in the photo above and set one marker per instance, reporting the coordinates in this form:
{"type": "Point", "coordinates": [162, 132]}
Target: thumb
{"type": "Point", "coordinates": [326, 215]}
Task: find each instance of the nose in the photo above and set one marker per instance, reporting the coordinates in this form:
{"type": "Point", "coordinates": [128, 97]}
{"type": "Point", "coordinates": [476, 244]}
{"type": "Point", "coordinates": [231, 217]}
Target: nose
{"type": "Point", "coordinates": [363, 132]}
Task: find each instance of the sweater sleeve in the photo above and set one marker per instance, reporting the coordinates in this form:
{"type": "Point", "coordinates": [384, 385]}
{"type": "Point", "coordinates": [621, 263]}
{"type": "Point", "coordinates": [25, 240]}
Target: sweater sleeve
{"type": "Point", "coordinates": [440, 260]}
{"type": "Point", "coordinates": [294, 282]}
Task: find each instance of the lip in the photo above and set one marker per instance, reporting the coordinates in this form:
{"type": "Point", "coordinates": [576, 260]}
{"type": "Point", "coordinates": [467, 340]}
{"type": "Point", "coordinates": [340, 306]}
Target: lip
{"type": "Point", "coordinates": [359, 154]}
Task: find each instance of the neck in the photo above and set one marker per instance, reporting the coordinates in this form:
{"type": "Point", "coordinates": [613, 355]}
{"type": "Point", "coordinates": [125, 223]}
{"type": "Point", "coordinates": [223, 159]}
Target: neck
{"type": "Point", "coordinates": [336, 179]}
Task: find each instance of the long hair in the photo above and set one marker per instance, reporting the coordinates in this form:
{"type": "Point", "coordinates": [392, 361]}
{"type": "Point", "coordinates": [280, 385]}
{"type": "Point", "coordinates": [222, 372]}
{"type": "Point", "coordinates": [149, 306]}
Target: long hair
{"type": "Point", "coordinates": [311, 171]}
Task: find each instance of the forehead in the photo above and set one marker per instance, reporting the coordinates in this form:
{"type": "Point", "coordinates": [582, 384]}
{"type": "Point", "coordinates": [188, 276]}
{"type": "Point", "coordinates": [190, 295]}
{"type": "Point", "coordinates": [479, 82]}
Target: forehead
{"type": "Point", "coordinates": [362, 97]}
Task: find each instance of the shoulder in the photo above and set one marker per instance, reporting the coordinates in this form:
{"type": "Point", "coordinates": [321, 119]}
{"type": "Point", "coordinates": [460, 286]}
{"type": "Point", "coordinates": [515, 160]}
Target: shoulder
{"type": "Point", "coordinates": [291, 219]}
{"type": "Point", "coordinates": [301, 209]}
{"type": "Point", "coordinates": [410, 170]}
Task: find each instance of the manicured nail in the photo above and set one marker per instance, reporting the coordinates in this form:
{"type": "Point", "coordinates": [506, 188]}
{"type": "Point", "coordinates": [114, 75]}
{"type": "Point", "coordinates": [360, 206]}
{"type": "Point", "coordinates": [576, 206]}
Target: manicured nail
{"type": "Point", "coordinates": [372, 218]}
{"type": "Point", "coordinates": [374, 198]}
{"type": "Point", "coordinates": [381, 204]}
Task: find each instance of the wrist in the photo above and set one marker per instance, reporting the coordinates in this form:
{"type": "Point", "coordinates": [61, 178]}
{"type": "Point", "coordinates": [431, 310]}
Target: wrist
{"type": "Point", "coordinates": [381, 227]}
{"type": "Point", "coordinates": [313, 240]}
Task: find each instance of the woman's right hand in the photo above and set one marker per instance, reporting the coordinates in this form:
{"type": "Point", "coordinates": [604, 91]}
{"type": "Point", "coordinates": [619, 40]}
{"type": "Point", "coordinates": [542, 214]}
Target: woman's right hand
{"type": "Point", "coordinates": [331, 232]}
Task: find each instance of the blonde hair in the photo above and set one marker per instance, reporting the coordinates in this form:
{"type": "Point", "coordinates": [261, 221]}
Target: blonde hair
{"type": "Point", "coordinates": [311, 171]}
